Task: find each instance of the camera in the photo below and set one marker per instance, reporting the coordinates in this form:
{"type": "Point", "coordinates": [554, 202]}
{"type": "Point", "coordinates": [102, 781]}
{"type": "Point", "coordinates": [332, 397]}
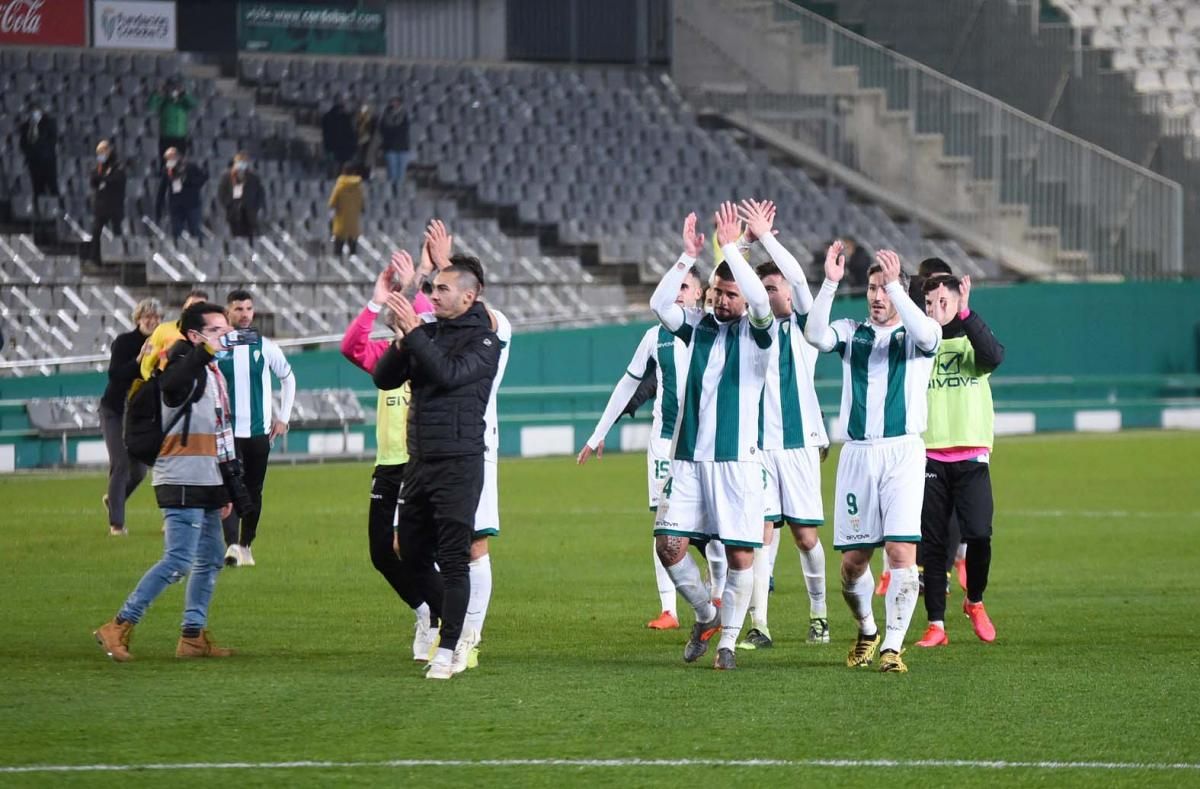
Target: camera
{"type": "Point", "coordinates": [240, 337]}
{"type": "Point", "coordinates": [235, 485]}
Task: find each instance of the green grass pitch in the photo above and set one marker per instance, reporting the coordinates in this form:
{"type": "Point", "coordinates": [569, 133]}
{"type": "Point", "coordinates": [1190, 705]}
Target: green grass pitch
{"type": "Point", "coordinates": [1094, 593]}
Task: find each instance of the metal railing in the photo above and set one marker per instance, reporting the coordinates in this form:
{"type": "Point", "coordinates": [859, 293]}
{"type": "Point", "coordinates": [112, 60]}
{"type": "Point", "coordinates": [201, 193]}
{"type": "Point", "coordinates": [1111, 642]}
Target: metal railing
{"type": "Point", "coordinates": [949, 148]}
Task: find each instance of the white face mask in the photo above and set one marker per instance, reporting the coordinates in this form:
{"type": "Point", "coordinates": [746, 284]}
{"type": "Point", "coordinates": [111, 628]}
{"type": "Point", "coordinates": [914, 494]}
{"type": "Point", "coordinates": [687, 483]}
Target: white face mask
{"type": "Point", "coordinates": [102, 157]}
{"type": "Point", "coordinates": [241, 166]}
{"type": "Point", "coordinates": [36, 115]}
{"type": "Point", "coordinates": [172, 162]}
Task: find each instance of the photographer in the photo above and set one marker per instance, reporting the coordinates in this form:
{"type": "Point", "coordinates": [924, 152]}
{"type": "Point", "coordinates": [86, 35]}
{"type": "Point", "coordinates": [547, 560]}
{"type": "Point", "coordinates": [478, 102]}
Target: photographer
{"type": "Point", "coordinates": [194, 478]}
{"type": "Point", "coordinates": [450, 366]}
{"type": "Point", "coordinates": [247, 370]}
{"type": "Point", "coordinates": [172, 104]}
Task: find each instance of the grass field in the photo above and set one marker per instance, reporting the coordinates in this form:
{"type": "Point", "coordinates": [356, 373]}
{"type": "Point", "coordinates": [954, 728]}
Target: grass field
{"type": "Point", "coordinates": [1094, 594]}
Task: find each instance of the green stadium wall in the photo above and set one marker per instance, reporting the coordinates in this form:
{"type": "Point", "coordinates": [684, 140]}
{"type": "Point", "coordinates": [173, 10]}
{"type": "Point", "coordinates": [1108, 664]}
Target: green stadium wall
{"type": "Point", "coordinates": [1079, 357]}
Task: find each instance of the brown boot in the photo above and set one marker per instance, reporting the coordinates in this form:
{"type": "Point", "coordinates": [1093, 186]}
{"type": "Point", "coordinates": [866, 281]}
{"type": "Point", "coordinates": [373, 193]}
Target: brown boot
{"type": "Point", "coordinates": [113, 638]}
{"type": "Point", "coordinates": [201, 646]}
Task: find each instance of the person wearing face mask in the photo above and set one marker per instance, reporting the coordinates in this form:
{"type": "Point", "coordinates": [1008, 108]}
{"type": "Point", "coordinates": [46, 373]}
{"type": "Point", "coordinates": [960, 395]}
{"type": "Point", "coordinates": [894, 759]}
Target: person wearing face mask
{"type": "Point", "coordinates": [189, 486]}
{"type": "Point", "coordinates": [39, 144]}
{"type": "Point", "coordinates": [179, 188]}
{"type": "Point", "coordinates": [108, 196]}
{"type": "Point", "coordinates": [172, 104]}
{"type": "Point", "coordinates": [338, 135]}
{"type": "Point", "coordinates": [394, 139]}
{"type": "Point", "coordinates": [241, 194]}
{"type": "Point", "coordinates": [125, 472]}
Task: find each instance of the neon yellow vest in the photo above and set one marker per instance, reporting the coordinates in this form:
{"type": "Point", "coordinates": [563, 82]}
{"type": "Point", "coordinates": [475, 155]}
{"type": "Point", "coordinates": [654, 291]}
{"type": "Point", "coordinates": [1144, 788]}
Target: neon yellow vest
{"type": "Point", "coordinates": [391, 427]}
{"type": "Point", "coordinates": [960, 399]}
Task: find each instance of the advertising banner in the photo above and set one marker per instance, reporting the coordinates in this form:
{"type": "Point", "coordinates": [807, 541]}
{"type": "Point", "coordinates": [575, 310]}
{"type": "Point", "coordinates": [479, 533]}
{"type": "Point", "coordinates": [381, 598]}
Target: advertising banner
{"type": "Point", "coordinates": [59, 23]}
{"type": "Point", "coordinates": [272, 27]}
{"type": "Point", "coordinates": [126, 24]}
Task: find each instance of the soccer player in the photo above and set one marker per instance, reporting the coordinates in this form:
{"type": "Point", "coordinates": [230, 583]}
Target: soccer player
{"type": "Point", "coordinates": [248, 372]}
{"type": "Point", "coordinates": [958, 444]}
{"type": "Point", "coordinates": [716, 484]}
{"type": "Point", "coordinates": [886, 362]}
{"type": "Point", "coordinates": [665, 356]}
{"type": "Point", "coordinates": [791, 434]}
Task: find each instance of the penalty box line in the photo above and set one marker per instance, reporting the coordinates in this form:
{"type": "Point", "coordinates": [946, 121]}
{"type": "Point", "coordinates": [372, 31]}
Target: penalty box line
{"type": "Point", "coordinates": [993, 764]}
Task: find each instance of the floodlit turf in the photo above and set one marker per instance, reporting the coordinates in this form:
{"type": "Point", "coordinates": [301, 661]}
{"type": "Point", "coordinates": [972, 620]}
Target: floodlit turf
{"type": "Point", "coordinates": [1094, 594]}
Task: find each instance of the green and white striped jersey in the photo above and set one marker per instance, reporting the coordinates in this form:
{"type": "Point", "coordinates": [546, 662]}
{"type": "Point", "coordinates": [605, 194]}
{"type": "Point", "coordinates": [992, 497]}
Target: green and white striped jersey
{"type": "Point", "coordinates": [718, 418]}
{"type": "Point", "coordinates": [884, 380]}
{"type": "Point", "coordinates": [789, 415]}
{"type": "Point", "coordinates": [248, 375]}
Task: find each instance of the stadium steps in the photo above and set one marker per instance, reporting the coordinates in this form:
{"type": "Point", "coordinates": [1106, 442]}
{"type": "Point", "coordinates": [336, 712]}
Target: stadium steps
{"type": "Point", "coordinates": [791, 66]}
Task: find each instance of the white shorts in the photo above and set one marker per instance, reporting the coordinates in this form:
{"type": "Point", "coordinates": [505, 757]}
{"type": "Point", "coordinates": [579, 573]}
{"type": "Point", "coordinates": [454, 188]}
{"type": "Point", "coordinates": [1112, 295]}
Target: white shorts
{"type": "Point", "coordinates": [709, 500]}
{"type": "Point", "coordinates": [793, 486]}
{"type": "Point", "coordinates": [487, 516]}
{"type": "Point", "coordinates": [880, 489]}
{"type": "Point", "coordinates": [658, 468]}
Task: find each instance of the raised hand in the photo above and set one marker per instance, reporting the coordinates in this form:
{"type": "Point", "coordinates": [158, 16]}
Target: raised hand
{"type": "Point", "coordinates": [758, 216]}
{"type": "Point", "coordinates": [729, 227]}
{"type": "Point", "coordinates": [693, 242]}
{"type": "Point", "coordinates": [402, 264]}
{"type": "Point", "coordinates": [406, 316]}
{"type": "Point", "coordinates": [586, 453]}
{"type": "Point", "coordinates": [835, 261]}
{"type": "Point", "coordinates": [384, 284]}
{"type": "Point", "coordinates": [440, 243]}
{"type": "Point", "coordinates": [964, 291]}
{"type": "Point", "coordinates": [889, 261]}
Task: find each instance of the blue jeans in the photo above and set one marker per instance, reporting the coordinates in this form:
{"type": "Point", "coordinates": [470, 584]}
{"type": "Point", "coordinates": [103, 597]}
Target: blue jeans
{"type": "Point", "coordinates": [194, 544]}
{"type": "Point", "coordinates": [397, 164]}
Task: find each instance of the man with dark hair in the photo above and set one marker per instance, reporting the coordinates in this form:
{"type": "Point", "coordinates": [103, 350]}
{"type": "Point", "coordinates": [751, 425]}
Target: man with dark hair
{"type": "Point", "coordinates": [172, 103]}
{"type": "Point", "coordinates": [166, 335]}
{"type": "Point", "coordinates": [247, 370]}
{"type": "Point", "coordinates": [451, 365]}
{"type": "Point", "coordinates": [394, 134]}
{"type": "Point", "coordinates": [958, 443]}
{"type": "Point", "coordinates": [189, 487]}
{"type": "Point", "coordinates": [108, 196]}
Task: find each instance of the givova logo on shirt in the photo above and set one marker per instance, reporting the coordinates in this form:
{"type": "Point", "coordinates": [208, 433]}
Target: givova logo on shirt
{"type": "Point", "coordinates": [948, 374]}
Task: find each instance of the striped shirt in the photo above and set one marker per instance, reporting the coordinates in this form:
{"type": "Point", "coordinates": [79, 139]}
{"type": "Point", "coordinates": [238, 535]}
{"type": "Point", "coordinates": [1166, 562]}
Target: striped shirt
{"type": "Point", "coordinates": [884, 380]}
{"type": "Point", "coordinates": [789, 415]}
{"type": "Point", "coordinates": [718, 417]}
{"type": "Point", "coordinates": [248, 371]}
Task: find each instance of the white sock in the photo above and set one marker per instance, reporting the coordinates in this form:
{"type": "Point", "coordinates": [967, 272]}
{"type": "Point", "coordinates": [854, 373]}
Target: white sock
{"type": "Point", "coordinates": [938, 623]}
{"type": "Point", "coordinates": [857, 595]}
{"type": "Point", "coordinates": [481, 594]}
{"type": "Point", "coordinates": [774, 548]}
{"type": "Point", "coordinates": [899, 604]}
{"type": "Point", "coordinates": [717, 568]}
{"type": "Point", "coordinates": [961, 554]}
{"type": "Point", "coordinates": [813, 564]}
{"type": "Point", "coordinates": [686, 575]}
{"type": "Point", "coordinates": [422, 612]}
{"type": "Point", "coordinates": [761, 587]}
{"type": "Point", "coordinates": [666, 589]}
{"type": "Point", "coordinates": [738, 588]}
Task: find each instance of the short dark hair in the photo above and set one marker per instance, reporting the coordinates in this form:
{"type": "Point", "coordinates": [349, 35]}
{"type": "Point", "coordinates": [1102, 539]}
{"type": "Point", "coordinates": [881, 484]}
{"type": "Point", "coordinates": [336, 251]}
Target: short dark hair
{"type": "Point", "coordinates": [937, 280]}
{"type": "Point", "coordinates": [766, 269]}
{"type": "Point", "coordinates": [695, 272]}
{"type": "Point", "coordinates": [196, 293]}
{"type": "Point", "coordinates": [470, 264]}
{"type": "Point", "coordinates": [931, 266]}
{"type": "Point", "coordinates": [878, 269]}
{"type": "Point", "coordinates": [193, 316]}
{"type": "Point", "coordinates": [240, 294]}
{"type": "Point", "coordinates": [724, 272]}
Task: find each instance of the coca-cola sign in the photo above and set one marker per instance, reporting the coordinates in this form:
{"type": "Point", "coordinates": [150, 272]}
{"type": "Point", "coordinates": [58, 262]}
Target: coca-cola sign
{"type": "Point", "coordinates": [49, 22]}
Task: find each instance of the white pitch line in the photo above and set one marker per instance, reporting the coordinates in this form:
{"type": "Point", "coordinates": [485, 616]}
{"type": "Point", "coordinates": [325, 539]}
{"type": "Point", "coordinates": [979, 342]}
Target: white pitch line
{"type": "Point", "coordinates": [1130, 514]}
{"type": "Point", "coordinates": [999, 764]}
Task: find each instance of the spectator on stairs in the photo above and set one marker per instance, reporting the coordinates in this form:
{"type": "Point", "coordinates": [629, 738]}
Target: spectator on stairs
{"type": "Point", "coordinates": [394, 139]}
{"type": "Point", "coordinates": [242, 196]}
{"type": "Point", "coordinates": [108, 196]}
{"type": "Point", "coordinates": [180, 187]}
{"type": "Point", "coordinates": [172, 104]}
{"type": "Point", "coordinates": [39, 144]}
{"type": "Point", "coordinates": [347, 202]}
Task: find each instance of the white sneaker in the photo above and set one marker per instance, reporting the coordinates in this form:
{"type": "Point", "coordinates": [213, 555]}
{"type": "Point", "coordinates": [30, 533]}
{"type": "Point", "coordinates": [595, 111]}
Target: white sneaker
{"type": "Point", "coordinates": [439, 671]}
{"type": "Point", "coordinates": [423, 639]}
{"type": "Point", "coordinates": [247, 557]}
{"type": "Point", "coordinates": [462, 651]}
{"type": "Point", "coordinates": [233, 555]}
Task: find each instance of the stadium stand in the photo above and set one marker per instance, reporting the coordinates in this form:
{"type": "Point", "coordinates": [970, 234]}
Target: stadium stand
{"type": "Point", "coordinates": [559, 202]}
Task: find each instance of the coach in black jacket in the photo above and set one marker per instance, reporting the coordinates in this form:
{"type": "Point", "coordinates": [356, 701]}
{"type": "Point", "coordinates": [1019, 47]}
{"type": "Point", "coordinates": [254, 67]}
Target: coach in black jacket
{"type": "Point", "coordinates": [450, 365]}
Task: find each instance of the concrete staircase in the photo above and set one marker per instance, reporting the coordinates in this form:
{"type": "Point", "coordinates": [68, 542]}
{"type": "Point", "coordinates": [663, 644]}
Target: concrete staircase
{"type": "Point", "coordinates": [736, 50]}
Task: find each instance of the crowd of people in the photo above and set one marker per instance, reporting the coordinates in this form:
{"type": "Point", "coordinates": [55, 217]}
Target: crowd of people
{"type": "Point", "coordinates": [353, 145]}
{"type": "Point", "coordinates": [737, 442]}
